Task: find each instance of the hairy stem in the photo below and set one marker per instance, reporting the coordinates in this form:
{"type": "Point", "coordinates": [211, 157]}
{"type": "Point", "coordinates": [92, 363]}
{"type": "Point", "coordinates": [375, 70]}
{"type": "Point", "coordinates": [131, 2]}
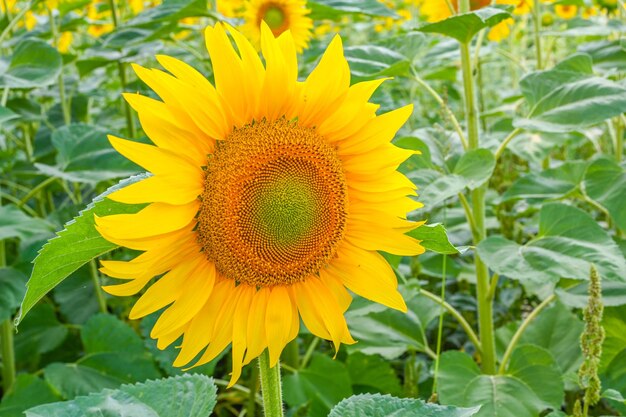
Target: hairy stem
{"type": "Point", "coordinates": [270, 386]}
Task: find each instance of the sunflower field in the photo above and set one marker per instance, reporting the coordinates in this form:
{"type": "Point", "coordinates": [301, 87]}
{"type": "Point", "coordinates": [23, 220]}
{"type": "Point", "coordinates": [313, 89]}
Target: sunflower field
{"type": "Point", "coordinates": [323, 208]}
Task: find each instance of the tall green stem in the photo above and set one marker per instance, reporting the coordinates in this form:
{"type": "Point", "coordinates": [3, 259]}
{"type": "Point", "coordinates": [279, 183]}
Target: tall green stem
{"type": "Point", "coordinates": [6, 338]}
{"type": "Point", "coordinates": [270, 386]}
{"type": "Point", "coordinates": [619, 138]}
{"type": "Point", "coordinates": [130, 122]}
{"type": "Point", "coordinates": [102, 303]}
{"type": "Point", "coordinates": [537, 33]}
{"type": "Point", "coordinates": [485, 304]}
{"type": "Point", "coordinates": [55, 36]}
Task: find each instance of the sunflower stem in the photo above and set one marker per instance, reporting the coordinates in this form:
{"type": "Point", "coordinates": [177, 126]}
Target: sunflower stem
{"type": "Point", "coordinates": [485, 304]}
{"type": "Point", "coordinates": [130, 122]}
{"type": "Point", "coordinates": [102, 303]}
{"type": "Point", "coordinates": [6, 338]}
{"type": "Point", "coordinates": [270, 386]}
{"type": "Point", "coordinates": [537, 33]}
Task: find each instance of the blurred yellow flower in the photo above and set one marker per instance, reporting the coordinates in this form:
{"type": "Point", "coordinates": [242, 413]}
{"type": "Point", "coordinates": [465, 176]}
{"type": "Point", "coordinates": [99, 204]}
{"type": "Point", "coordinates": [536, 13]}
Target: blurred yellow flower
{"type": "Point", "coordinates": [500, 31]}
{"type": "Point", "coordinates": [280, 16]}
{"type": "Point", "coordinates": [65, 40]}
{"type": "Point", "coordinates": [566, 11]}
{"type": "Point", "coordinates": [231, 8]}
{"type": "Point", "coordinates": [436, 10]}
{"type": "Point", "coordinates": [97, 29]}
{"type": "Point", "coordinates": [587, 12]}
{"type": "Point", "coordinates": [30, 21]}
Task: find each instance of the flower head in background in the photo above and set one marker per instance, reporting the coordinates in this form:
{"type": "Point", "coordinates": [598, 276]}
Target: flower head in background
{"type": "Point", "coordinates": [270, 197]}
{"type": "Point", "coordinates": [436, 10]}
{"type": "Point", "coordinates": [280, 16]}
{"type": "Point", "coordinates": [566, 11]}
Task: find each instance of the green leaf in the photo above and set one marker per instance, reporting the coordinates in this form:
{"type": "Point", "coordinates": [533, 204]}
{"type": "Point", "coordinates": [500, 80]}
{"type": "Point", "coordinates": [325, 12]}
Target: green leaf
{"type": "Point", "coordinates": [377, 405]}
{"type": "Point", "coordinates": [27, 391]}
{"type": "Point", "coordinates": [12, 290]}
{"type": "Point", "coordinates": [72, 380]}
{"type": "Point", "coordinates": [607, 55]}
{"type": "Point", "coordinates": [6, 115]}
{"type": "Point", "coordinates": [390, 333]}
{"type": "Point", "coordinates": [40, 333]}
{"type": "Point", "coordinates": [558, 331]}
{"type": "Point", "coordinates": [85, 155]}
{"type": "Point", "coordinates": [463, 27]}
{"type": "Point", "coordinates": [538, 84]}
{"type": "Point", "coordinates": [551, 183]}
{"type": "Point", "coordinates": [171, 11]}
{"type": "Point", "coordinates": [613, 294]}
{"type": "Point", "coordinates": [372, 373]}
{"type": "Point", "coordinates": [106, 333]}
{"type": "Point", "coordinates": [78, 243]}
{"type": "Point", "coordinates": [535, 366]}
{"type": "Point", "coordinates": [605, 182]}
{"type": "Point", "coordinates": [76, 296]}
{"type": "Point", "coordinates": [322, 384]}
{"type": "Point", "coordinates": [569, 240]}
{"type": "Point", "coordinates": [472, 170]}
{"type": "Point", "coordinates": [335, 9]}
{"type": "Point", "coordinates": [614, 324]}
{"type": "Point", "coordinates": [434, 238]}
{"type": "Point", "coordinates": [34, 63]}
{"type": "Point", "coordinates": [576, 104]}
{"type": "Point", "coordinates": [461, 384]}
{"type": "Point", "coordinates": [370, 61]}
{"type": "Point", "coordinates": [614, 395]}
{"type": "Point", "coordinates": [15, 223]}
{"type": "Point", "coordinates": [183, 396]}
{"type": "Point", "coordinates": [476, 167]}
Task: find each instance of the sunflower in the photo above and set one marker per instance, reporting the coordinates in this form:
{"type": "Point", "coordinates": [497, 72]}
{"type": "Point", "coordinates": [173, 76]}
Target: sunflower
{"type": "Point", "coordinates": [436, 10]}
{"type": "Point", "coordinates": [269, 197]}
{"type": "Point", "coordinates": [566, 11]}
{"type": "Point", "coordinates": [280, 16]}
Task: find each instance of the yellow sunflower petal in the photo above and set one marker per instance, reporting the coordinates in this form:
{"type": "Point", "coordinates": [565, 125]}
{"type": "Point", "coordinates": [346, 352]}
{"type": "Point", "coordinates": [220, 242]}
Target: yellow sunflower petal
{"type": "Point", "coordinates": [170, 189]}
{"type": "Point", "coordinates": [277, 322]}
{"type": "Point", "coordinates": [255, 336]}
{"type": "Point", "coordinates": [240, 329]}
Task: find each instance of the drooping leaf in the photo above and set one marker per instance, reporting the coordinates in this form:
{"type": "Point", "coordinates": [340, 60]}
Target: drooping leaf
{"type": "Point", "coordinates": [12, 288]}
{"type": "Point", "coordinates": [434, 238]}
{"type": "Point", "coordinates": [569, 240]}
{"type": "Point", "coordinates": [376, 405]}
{"type": "Point", "coordinates": [182, 396]}
{"type": "Point", "coordinates": [463, 27]}
{"type": "Point", "coordinates": [78, 243]}
{"type": "Point", "coordinates": [548, 184]}
{"type": "Point", "coordinates": [34, 63]}
{"type": "Point", "coordinates": [462, 384]}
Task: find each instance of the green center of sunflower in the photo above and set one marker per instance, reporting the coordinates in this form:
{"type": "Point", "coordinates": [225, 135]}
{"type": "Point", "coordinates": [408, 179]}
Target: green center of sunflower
{"type": "Point", "coordinates": [274, 204]}
{"type": "Point", "coordinates": [274, 17]}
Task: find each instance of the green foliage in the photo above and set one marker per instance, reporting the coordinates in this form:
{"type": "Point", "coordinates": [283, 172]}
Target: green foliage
{"type": "Point", "coordinates": [182, 396]}
{"type": "Point", "coordinates": [434, 238]}
{"type": "Point", "coordinates": [33, 63]}
{"type": "Point", "coordinates": [335, 9]}
{"type": "Point", "coordinates": [464, 26]}
{"type": "Point", "coordinates": [385, 406]}
{"type": "Point", "coordinates": [54, 263]}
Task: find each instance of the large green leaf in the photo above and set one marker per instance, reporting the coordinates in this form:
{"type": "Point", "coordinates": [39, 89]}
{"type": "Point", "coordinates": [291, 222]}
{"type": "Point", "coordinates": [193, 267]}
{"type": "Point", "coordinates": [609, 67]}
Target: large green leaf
{"type": "Point", "coordinates": [321, 385]}
{"type": "Point", "coordinates": [377, 405]}
{"type": "Point", "coordinates": [15, 223]}
{"type": "Point", "coordinates": [463, 27]}
{"type": "Point", "coordinates": [576, 104]}
{"type": "Point", "coordinates": [78, 243]}
{"type": "Point", "coordinates": [462, 384]}
{"type": "Point", "coordinates": [614, 323]}
{"type": "Point", "coordinates": [71, 380]}
{"type": "Point", "coordinates": [473, 169]}
{"type": "Point", "coordinates": [34, 63]}
{"type": "Point", "coordinates": [335, 9]}
{"type": "Point", "coordinates": [608, 55]}
{"type": "Point", "coordinates": [538, 84]}
{"type": "Point", "coordinates": [548, 184]}
{"type": "Point", "coordinates": [106, 333]}
{"type": "Point", "coordinates": [536, 367]}
{"type": "Point", "coordinates": [41, 332]}
{"type": "Point", "coordinates": [372, 373]}
{"type": "Point", "coordinates": [569, 240]}
{"type": "Point", "coordinates": [605, 182]}
{"type": "Point", "coordinates": [613, 294]}
{"type": "Point", "coordinates": [370, 61]}
{"type": "Point", "coordinates": [390, 333]}
{"type": "Point", "coordinates": [7, 114]}
{"type": "Point", "coordinates": [85, 155]}
{"type": "Point", "coordinates": [182, 396]}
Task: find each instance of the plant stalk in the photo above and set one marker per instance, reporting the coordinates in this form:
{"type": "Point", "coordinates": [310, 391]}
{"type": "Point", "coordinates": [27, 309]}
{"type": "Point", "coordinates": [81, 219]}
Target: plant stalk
{"type": "Point", "coordinates": [485, 304]}
{"type": "Point", "coordinates": [537, 33]}
{"type": "Point", "coordinates": [102, 303]}
{"type": "Point", "coordinates": [270, 386]}
{"type": "Point", "coordinates": [55, 38]}
{"type": "Point", "coordinates": [6, 338]}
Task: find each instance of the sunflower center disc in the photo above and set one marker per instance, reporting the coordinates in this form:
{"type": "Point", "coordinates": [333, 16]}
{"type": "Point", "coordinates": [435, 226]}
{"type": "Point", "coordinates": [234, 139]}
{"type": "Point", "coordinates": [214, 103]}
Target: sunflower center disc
{"type": "Point", "coordinates": [275, 17]}
{"type": "Point", "coordinates": [274, 204]}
